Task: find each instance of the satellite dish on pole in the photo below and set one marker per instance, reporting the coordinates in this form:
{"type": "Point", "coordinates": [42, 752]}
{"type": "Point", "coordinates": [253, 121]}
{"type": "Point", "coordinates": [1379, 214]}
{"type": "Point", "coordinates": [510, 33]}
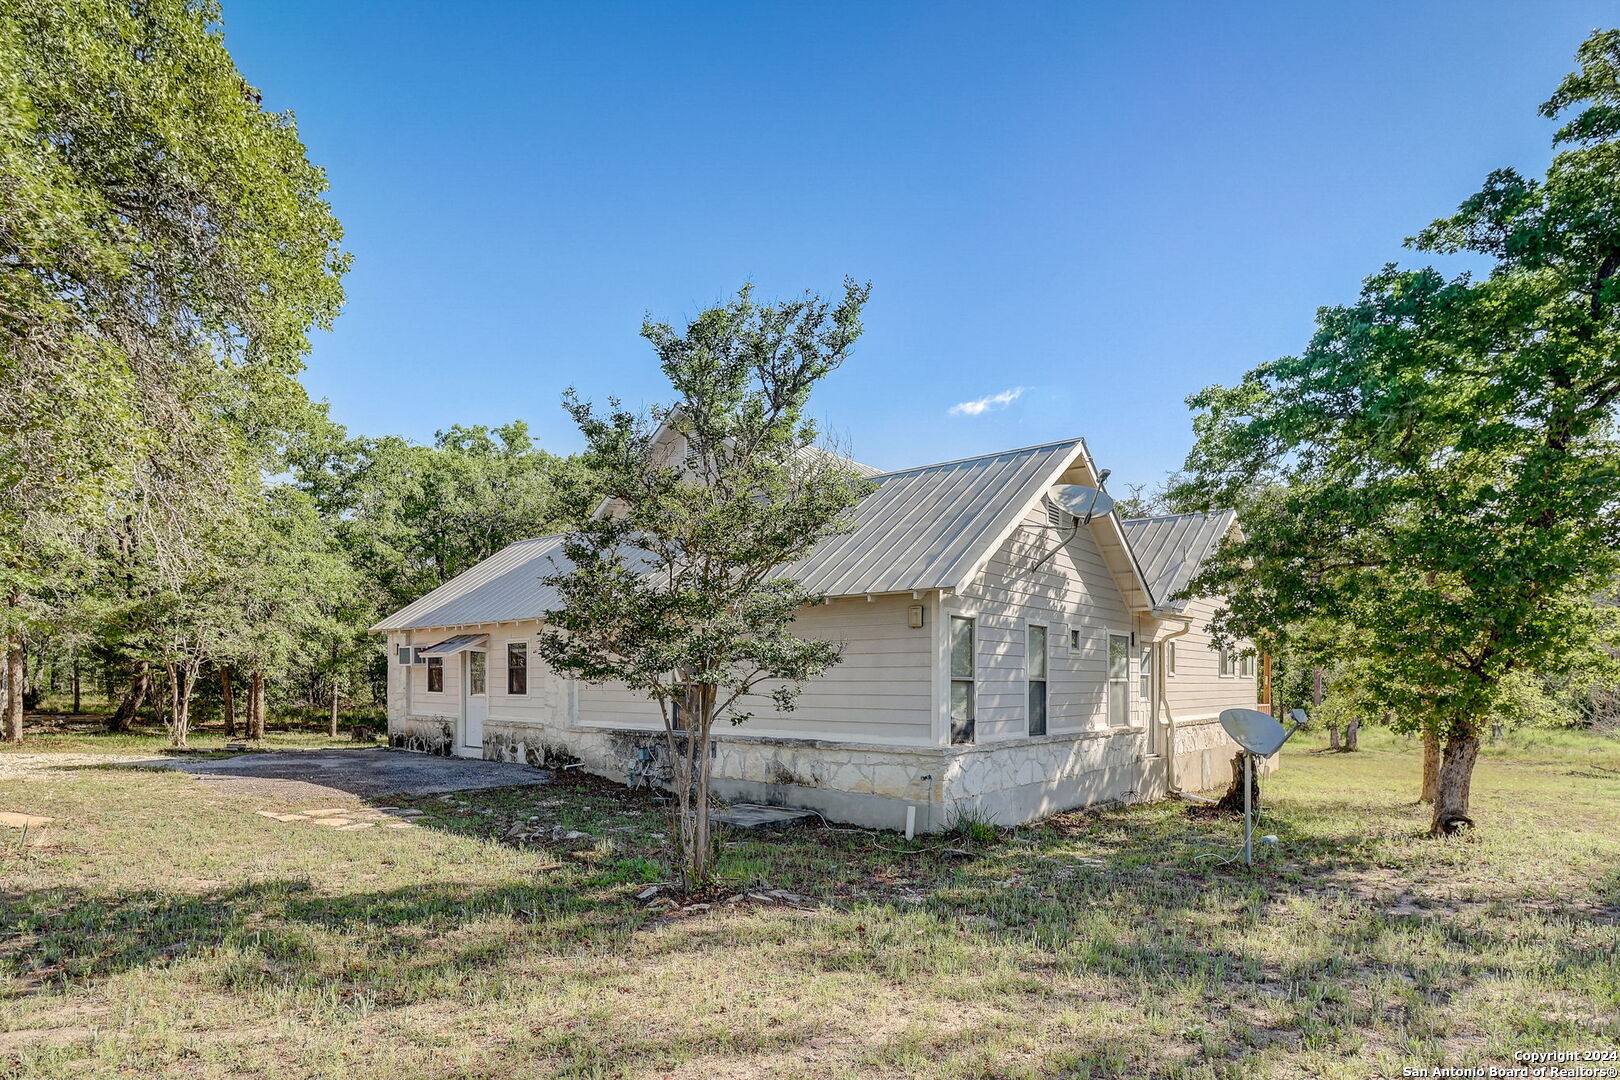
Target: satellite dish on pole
{"type": "Point", "coordinates": [1083, 502]}
{"type": "Point", "coordinates": [1260, 735]}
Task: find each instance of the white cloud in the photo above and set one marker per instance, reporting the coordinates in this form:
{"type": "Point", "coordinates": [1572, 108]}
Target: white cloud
{"type": "Point", "coordinates": [988, 403]}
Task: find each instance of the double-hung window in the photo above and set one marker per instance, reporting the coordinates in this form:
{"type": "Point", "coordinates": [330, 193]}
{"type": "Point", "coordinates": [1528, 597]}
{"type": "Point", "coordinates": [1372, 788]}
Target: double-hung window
{"type": "Point", "coordinates": [1119, 680]}
{"type": "Point", "coordinates": [435, 674]}
{"type": "Point", "coordinates": [961, 679]}
{"type": "Point", "coordinates": [1227, 664]}
{"type": "Point", "coordinates": [1036, 669]}
{"type": "Point", "coordinates": [517, 667]}
{"type": "Point", "coordinates": [1144, 674]}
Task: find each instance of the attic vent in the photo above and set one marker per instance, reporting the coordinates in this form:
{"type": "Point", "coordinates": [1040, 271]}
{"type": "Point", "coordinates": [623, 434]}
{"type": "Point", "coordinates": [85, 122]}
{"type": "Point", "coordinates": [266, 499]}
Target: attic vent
{"type": "Point", "coordinates": [1056, 516]}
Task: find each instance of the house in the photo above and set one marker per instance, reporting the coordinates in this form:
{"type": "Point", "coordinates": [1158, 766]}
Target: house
{"type": "Point", "coordinates": [1001, 659]}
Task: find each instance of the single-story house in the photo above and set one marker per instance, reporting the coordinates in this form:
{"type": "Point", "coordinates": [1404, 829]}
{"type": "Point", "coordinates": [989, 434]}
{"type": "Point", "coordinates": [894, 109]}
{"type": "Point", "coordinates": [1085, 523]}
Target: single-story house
{"type": "Point", "coordinates": [1002, 659]}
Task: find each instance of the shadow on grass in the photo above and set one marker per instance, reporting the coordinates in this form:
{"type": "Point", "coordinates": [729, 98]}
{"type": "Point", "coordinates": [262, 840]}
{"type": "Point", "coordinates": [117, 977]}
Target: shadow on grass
{"type": "Point", "coordinates": [68, 937]}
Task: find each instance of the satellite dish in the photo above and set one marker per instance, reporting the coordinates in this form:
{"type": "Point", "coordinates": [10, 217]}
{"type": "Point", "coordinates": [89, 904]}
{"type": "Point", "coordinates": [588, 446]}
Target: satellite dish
{"type": "Point", "coordinates": [1082, 502]}
{"type": "Point", "coordinates": [1259, 733]}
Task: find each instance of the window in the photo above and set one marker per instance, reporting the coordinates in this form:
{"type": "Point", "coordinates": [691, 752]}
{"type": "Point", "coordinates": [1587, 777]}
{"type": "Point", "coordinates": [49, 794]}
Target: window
{"type": "Point", "coordinates": [1035, 666]}
{"type": "Point", "coordinates": [435, 666]}
{"type": "Point", "coordinates": [517, 667]}
{"type": "Point", "coordinates": [1246, 665]}
{"type": "Point", "coordinates": [406, 655]}
{"type": "Point", "coordinates": [961, 679]}
{"type": "Point", "coordinates": [1144, 676]}
{"type": "Point", "coordinates": [1119, 680]}
{"type": "Point", "coordinates": [1226, 666]}
{"type": "Point", "coordinates": [1169, 659]}
{"type": "Point", "coordinates": [1074, 640]}
{"type": "Point", "coordinates": [478, 672]}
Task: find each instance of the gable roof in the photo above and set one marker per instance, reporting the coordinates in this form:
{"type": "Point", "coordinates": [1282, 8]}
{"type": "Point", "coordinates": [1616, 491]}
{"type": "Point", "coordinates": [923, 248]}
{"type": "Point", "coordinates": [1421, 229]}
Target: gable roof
{"type": "Point", "coordinates": [1171, 548]}
{"type": "Point", "coordinates": [930, 527]}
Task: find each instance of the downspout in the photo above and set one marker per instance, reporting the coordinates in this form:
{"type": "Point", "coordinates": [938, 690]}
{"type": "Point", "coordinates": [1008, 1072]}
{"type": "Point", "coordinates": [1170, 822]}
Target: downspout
{"type": "Point", "coordinates": [1170, 785]}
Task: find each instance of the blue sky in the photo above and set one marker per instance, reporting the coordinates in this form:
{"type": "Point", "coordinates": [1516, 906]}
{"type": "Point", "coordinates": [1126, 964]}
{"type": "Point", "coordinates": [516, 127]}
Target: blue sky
{"type": "Point", "coordinates": [1077, 214]}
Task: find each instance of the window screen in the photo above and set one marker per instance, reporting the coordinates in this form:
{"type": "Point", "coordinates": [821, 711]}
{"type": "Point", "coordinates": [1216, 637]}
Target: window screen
{"type": "Point", "coordinates": [435, 674]}
{"type": "Point", "coordinates": [1119, 680]}
{"type": "Point", "coordinates": [1036, 666]}
{"type": "Point", "coordinates": [962, 704]}
{"type": "Point", "coordinates": [517, 667]}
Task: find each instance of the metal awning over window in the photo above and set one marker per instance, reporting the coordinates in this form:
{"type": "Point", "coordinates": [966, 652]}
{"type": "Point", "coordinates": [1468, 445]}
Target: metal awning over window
{"type": "Point", "coordinates": [450, 646]}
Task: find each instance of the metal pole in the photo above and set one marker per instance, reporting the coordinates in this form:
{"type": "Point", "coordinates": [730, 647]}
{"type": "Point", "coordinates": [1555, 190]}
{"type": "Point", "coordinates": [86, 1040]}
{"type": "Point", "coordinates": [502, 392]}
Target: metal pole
{"type": "Point", "coordinates": [1248, 811]}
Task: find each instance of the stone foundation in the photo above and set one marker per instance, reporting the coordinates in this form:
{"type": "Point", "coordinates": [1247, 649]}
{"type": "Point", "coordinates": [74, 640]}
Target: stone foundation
{"type": "Point", "coordinates": [1007, 783]}
{"type": "Point", "coordinates": [424, 734]}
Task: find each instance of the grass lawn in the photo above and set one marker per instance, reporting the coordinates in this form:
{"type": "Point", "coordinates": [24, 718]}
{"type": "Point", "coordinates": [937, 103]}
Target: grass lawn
{"type": "Point", "coordinates": [165, 928]}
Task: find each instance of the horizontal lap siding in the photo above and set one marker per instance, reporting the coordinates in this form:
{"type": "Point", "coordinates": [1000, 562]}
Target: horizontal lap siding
{"type": "Point", "coordinates": [879, 693]}
{"type": "Point", "coordinates": [1197, 688]}
{"type": "Point", "coordinates": [1074, 589]}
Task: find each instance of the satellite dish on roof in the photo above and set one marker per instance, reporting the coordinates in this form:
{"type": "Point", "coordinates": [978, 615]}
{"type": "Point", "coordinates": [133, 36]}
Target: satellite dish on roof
{"type": "Point", "coordinates": [1261, 735]}
{"type": "Point", "coordinates": [1082, 502]}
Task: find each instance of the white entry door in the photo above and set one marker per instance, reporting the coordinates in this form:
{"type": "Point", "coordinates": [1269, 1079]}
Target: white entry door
{"type": "Point", "coordinates": [474, 699]}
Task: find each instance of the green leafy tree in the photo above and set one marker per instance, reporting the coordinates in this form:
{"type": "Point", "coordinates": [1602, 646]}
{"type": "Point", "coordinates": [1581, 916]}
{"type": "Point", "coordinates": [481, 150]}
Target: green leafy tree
{"type": "Point", "coordinates": [413, 517]}
{"type": "Point", "coordinates": [165, 249]}
{"type": "Point", "coordinates": [1440, 469]}
{"type": "Point", "coordinates": [676, 587]}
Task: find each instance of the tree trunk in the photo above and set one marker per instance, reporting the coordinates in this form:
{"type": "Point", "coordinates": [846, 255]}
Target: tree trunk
{"type": "Point", "coordinates": [256, 705]}
{"type": "Point", "coordinates": [332, 727]}
{"type": "Point", "coordinates": [123, 718]}
{"type": "Point", "coordinates": [1352, 733]}
{"type": "Point", "coordinates": [1333, 736]}
{"type": "Point", "coordinates": [1456, 775]}
{"type": "Point", "coordinates": [75, 682]}
{"type": "Point", "coordinates": [177, 737]}
{"type": "Point", "coordinates": [227, 701]}
{"type": "Point", "coordinates": [1232, 801]}
{"type": "Point", "coordinates": [1431, 767]}
{"type": "Point", "coordinates": [689, 752]}
{"type": "Point", "coordinates": [16, 680]}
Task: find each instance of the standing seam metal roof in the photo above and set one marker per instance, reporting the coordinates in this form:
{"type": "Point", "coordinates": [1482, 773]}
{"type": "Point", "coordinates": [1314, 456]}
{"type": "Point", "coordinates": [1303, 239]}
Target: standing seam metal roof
{"type": "Point", "coordinates": [1170, 549]}
{"type": "Point", "coordinates": [922, 528]}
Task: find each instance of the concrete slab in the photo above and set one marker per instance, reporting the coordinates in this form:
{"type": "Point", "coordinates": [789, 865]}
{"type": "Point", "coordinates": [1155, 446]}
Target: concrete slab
{"type": "Point", "coordinates": [759, 816]}
{"type": "Point", "coordinates": [368, 773]}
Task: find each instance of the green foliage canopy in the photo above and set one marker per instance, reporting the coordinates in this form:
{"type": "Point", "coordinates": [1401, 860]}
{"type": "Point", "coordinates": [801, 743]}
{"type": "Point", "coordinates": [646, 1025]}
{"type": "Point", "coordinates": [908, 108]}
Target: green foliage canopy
{"type": "Point", "coordinates": [1440, 467]}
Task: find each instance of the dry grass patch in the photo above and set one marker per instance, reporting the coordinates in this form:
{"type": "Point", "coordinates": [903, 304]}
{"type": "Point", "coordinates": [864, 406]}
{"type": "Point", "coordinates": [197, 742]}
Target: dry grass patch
{"type": "Point", "coordinates": [170, 930]}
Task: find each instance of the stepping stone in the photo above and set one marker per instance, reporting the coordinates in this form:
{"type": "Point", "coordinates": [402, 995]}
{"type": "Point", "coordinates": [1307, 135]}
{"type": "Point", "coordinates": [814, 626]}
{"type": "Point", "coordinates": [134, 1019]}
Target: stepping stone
{"type": "Point", "coordinates": [356, 825]}
{"type": "Point", "coordinates": [289, 817]}
{"type": "Point", "coordinates": [339, 812]}
{"type": "Point", "coordinates": [757, 816]}
{"type": "Point", "coordinates": [269, 814]}
{"type": "Point", "coordinates": [333, 822]}
{"type": "Point", "coordinates": [22, 821]}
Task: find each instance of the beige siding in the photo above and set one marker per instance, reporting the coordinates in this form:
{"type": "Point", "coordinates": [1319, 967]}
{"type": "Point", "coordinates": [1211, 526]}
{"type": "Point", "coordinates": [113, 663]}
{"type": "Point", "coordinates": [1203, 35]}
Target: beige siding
{"type": "Point", "coordinates": [1073, 590]}
{"type": "Point", "coordinates": [880, 692]}
{"type": "Point", "coordinates": [1197, 689]}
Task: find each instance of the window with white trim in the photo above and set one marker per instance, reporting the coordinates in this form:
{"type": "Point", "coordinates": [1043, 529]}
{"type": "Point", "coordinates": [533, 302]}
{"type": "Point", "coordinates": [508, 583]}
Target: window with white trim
{"type": "Point", "coordinates": [435, 674]}
{"type": "Point", "coordinates": [517, 668]}
{"type": "Point", "coordinates": [962, 679]}
{"type": "Point", "coordinates": [1226, 664]}
{"type": "Point", "coordinates": [1246, 665]}
{"type": "Point", "coordinates": [1035, 670]}
{"type": "Point", "coordinates": [1144, 674]}
{"type": "Point", "coordinates": [1119, 680]}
